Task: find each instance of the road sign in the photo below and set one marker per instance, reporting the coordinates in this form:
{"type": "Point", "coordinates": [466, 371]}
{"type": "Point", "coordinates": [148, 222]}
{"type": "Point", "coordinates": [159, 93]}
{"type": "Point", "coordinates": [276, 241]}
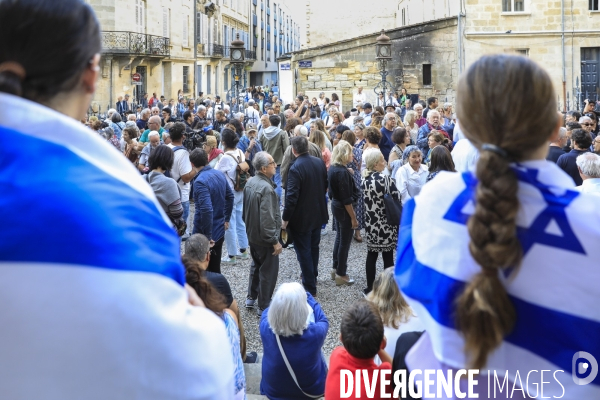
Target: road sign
{"type": "Point", "coordinates": [136, 77]}
{"type": "Point", "coordinates": [136, 83]}
{"type": "Point", "coordinates": [305, 64]}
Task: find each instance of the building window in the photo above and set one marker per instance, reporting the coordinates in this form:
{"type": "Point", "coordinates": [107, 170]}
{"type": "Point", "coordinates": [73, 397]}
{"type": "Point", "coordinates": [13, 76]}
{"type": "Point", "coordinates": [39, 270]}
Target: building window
{"type": "Point", "coordinates": [186, 74]}
{"type": "Point", "coordinates": [186, 29]}
{"type": "Point", "coordinates": [523, 52]}
{"type": "Point", "coordinates": [513, 5]}
{"type": "Point", "coordinates": [140, 16]}
{"type": "Point", "coordinates": [426, 74]}
{"type": "Point", "coordinates": [594, 6]}
{"type": "Point", "coordinates": [403, 17]}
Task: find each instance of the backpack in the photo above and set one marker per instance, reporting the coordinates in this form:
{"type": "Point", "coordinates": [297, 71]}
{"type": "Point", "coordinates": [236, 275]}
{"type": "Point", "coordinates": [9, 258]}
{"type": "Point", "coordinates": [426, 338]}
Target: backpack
{"type": "Point", "coordinates": [242, 174]}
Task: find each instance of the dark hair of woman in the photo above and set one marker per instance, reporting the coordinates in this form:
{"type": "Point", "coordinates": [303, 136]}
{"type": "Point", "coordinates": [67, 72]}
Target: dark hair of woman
{"type": "Point", "coordinates": [441, 160]}
{"type": "Point", "coordinates": [380, 110]}
{"type": "Point", "coordinates": [229, 138]}
{"type": "Point", "coordinates": [349, 137]}
{"type": "Point", "coordinates": [291, 124]}
{"type": "Point", "coordinates": [239, 128]}
{"type": "Point", "coordinates": [399, 135]}
{"type": "Point", "coordinates": [67, 46]}
{"type": "Point", "coordinates": [131, 131]}
{"type": "Point", "coordinates": [195, 277]}
{"type": "Point", "coordinates": [161, 157]}
{"type": "Point", "coordinates": [518, 124]}
{"type": "Point", "coordinates": [373, 135]}
{"type": "Point", "coordinates": [334, 97]}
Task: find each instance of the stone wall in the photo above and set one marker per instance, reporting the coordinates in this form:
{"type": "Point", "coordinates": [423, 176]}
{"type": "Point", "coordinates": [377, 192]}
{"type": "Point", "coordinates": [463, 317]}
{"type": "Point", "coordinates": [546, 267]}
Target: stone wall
{"type": "Point", "coordinates": [346, 65]}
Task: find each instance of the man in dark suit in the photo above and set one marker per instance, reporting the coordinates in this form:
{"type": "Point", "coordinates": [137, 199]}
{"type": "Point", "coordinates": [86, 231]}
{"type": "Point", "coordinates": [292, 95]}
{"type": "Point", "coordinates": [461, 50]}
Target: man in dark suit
{"type": "Point", "coordinates": [581, 141]}
{"type": "Point", "coordinates": [305, 209]}
{"type": "Point", "coordinates": [123, 105]}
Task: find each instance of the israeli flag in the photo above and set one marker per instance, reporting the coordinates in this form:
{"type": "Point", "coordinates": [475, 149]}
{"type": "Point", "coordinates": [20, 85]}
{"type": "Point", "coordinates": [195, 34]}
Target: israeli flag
{"type": "Point", "coordinates": [91, 282]}
{"type": "Point", "coordinates": [555, 291]}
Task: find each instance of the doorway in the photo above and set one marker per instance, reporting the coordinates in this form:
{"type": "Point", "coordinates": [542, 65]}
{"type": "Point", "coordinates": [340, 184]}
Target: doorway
{"type": "Point", "coordinates": [590, 79]}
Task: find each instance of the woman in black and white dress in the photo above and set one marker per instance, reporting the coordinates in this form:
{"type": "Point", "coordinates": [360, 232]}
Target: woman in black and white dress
{"type": "Point", "coordinates": [381, 237]}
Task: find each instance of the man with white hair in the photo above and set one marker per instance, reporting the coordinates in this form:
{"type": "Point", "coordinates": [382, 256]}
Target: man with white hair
{"type": "Point", "coordinates": [587, 124]}
{"type": "Point", "coordinates": [262, 217]}
{"type": "Point", "coordinates": [142, 123]}
{"type": "Point", "coordinates": [386, 144]}
{"type": "Point", "coordinates": [359, 97]}
{"type": "Point", "coordinates": [433, 123]}
{"type": "Point", "coordinates": [252, 116]}
{"type": "Point", "coordinates": [155, 111]}
{"type": "Point", "coordinates": [154, 140]}
{"type": "Point", "coordinates": [153, 125]}
{"type": "Point", "coordinates": [588, 165]}
{"type": "Point", "coordinates": [556, 147]}
{"type": "Point", "coordinates": [289, 157]}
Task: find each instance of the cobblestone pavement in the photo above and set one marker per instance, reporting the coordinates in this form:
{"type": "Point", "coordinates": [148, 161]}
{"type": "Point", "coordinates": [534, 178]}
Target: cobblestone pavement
{"type": "Point", "coordinates": [333, 299]}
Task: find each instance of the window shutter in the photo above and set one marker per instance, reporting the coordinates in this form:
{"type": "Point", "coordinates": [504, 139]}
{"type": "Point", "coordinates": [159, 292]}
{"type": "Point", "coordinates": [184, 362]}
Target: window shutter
{"type": "Point", "coordinates": [165, 22]}
{"type": "Point", "coordinates": [185, 39]}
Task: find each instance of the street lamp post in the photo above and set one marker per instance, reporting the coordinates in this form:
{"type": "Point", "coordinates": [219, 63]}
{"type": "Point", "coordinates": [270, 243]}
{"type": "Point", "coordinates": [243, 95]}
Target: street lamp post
{"type": "Point", "coordinates": [237, 60]}
{"type": "Point", "coordinates": [383, 47]}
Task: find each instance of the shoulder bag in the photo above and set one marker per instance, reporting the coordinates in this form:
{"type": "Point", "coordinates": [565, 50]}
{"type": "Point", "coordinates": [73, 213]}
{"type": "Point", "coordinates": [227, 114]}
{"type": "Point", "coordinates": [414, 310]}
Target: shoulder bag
{"type": "Point", "coordinates": [291, 371]}
{"type": "Point", "coordinates": [393, 206]}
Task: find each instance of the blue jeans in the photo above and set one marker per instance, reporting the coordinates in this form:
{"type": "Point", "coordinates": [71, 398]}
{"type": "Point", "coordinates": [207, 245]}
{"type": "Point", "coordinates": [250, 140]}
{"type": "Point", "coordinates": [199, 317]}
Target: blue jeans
{"type": "Point", "coordinates": [235, 236]}
{"type": "Point", "coordinates": [306, 245]}
{"type": "Point", "coordinates": [277, 180]}
{"type": "Point", "coordinates": [186, 214]}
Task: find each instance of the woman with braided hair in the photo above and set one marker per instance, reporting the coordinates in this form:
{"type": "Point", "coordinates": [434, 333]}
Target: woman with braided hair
{"type": "Point", "coordinates": [501, 264]}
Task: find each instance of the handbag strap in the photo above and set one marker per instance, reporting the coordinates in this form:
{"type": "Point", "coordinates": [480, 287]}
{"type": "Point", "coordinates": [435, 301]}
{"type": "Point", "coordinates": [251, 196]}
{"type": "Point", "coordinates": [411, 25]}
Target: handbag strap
{"type": "Point", "coordinates": [291, 371]}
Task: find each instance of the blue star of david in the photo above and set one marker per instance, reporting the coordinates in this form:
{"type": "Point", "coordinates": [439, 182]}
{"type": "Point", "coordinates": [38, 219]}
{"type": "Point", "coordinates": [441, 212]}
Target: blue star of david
{"type": "Point", "coordinates": [536, 233]}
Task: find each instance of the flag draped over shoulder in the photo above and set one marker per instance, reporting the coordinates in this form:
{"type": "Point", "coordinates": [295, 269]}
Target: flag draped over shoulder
{"type": "Point", "coordinates": [555, 292]}
{"type": "Point", "coordinates": [91, 282]}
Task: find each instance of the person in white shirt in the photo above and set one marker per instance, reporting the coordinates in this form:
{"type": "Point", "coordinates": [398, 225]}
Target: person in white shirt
{"type": "Point", "coordinates": [236, 238]}
{"type": "Point", "coordinates": [321, 100]}
{"type": "Point", "coordinates": [359, 97]}
{"type": "Point", "coordinates": [182, 172]}
{"type": "Point", "coordinates": [588, 165]}
{"type": "Point", "coordinates": [411, 177]}
{"type": "Point", "coordinates": [349, 122]}
{"type": "Point", "coordinates": [465, 156]}
{"type": "Point", "coordinates": [252, 116]}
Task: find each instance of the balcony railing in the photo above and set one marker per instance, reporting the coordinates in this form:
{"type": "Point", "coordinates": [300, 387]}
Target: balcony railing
{"type": "Point", "coordinates": [132, 43]}
{"type": "Point", "coordinates": [218, 51]}
{"type": "Point", "coordinates": [250, 55]}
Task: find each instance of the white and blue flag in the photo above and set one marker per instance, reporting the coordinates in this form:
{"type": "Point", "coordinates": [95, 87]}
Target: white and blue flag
{"type": "Point", "coordinates": [555, 292]}
{"type": "Point", "coordinates": [91, 282]}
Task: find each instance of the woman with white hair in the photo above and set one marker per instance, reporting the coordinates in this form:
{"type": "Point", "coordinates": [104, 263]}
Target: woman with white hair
{"type": "Point", "coordinates": [411, 177]}
{"type": "Point", "coordinates": [381, 236]}
{"type": "Point", "coordinates": [293, 329]}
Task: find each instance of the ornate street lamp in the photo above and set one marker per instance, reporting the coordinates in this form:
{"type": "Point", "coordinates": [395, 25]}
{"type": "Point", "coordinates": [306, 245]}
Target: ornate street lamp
{"type": "Point", "coordinates": [237, 57]}
{"type": "Point", "coordinates": [383, 47]}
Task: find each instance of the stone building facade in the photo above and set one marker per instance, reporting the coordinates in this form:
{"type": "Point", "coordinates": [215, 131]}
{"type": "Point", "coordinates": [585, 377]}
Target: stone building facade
{"type": "Point", "coordinates": [535, 28]}
{"type": "Point", "coordinates": [424, 61]}
{"type": "Point", "coordinates": [154, 38]}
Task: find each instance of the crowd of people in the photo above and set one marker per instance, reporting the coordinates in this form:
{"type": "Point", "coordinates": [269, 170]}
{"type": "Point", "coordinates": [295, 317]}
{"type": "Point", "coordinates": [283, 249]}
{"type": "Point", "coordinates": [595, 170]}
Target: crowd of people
{"type": "Point", "coordinates": [123, 313]}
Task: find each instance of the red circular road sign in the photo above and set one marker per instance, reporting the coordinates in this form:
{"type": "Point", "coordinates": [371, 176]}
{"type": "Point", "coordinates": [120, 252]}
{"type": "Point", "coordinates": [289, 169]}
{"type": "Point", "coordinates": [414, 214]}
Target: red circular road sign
{"type": "Point", "coordinates": [136, 77]}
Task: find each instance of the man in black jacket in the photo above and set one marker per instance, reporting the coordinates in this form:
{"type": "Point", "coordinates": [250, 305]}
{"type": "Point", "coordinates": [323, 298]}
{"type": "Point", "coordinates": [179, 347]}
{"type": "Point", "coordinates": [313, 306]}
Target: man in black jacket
{"type": "Point", "coordinates": [581, 141]}
{"type": "Point", "coordinates": [305, 209]}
